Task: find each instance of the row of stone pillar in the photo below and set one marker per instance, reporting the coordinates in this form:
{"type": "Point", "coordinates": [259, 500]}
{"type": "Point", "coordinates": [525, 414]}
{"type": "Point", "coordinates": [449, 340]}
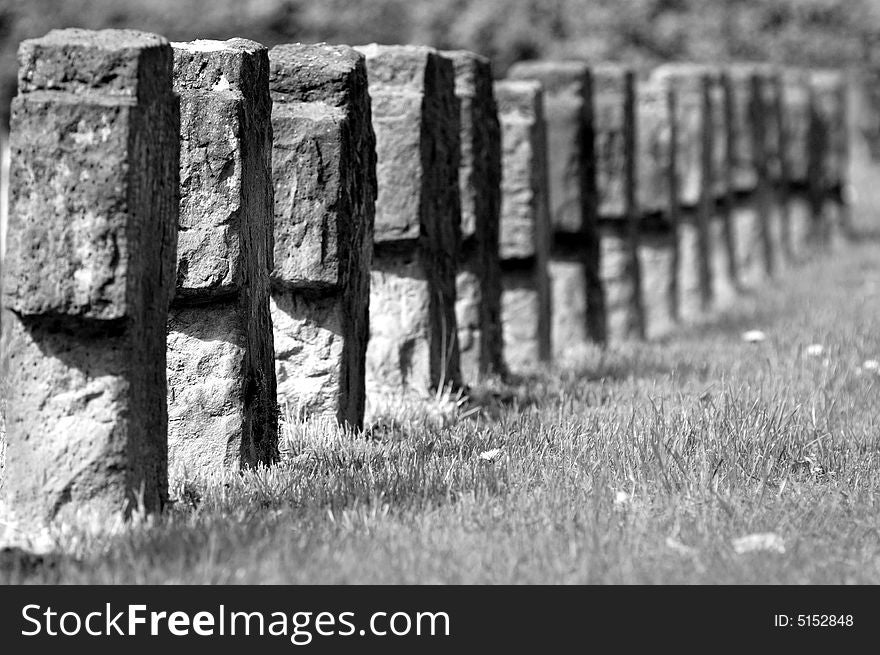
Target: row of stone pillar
{"type": "Point", "coordinates": [201, 233]}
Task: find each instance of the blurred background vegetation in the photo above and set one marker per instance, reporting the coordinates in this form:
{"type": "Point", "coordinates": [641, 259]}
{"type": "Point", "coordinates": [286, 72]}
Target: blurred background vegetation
{"type": "Point", "coordinates": [804, 32]}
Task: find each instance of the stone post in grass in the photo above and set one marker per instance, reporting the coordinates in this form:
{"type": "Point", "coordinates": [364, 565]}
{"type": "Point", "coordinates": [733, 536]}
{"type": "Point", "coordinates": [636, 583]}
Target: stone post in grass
{"type": "Point", "coordinates": [577, 295]}
{"type": "Point", "coordinates": [413, 346]}
{"type": "Point", "coordinates": [221, 377]}
{"type": "Point", "coordinates": [525, 225]}
{"type": "Point", "coordinates": [618, 225]}
{"type": "Point", "coordinates": [89, 275]}
{"type": "Point", "coordinates": [693, 161]}
{"type": "Point", "coordinates": [748, 215]}
{"type": "Point", "coordinates": [478, 282]}
{"type": "Point", "coordinates": [657, 206]}
{"type": "Point", "coordinates": [324, 168]}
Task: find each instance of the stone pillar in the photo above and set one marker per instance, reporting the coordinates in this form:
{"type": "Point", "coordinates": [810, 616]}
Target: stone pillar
{"type": "Point", "coordinates": [615, 138]}
{"type": "Point", "coordinates": [725, 281]}
{"type": "Point", "coordinates": [795, 156]}
{"type": "Point", "coordinates": [413, 342]}
{"type": "Point", "coordinates": [478, 282]}
{"type": "Point", "coordinates": [828, 154]}
{"type": "Point", "coordinates": [746, 213]}
{"type": "Point", "coordinates": [577, 294]}
{"type": "Point", "coordinates": [89, 274]}
{"type": "Point", "coordinates": [766, 123]}
{"type": "Point", "coordinates": [525, 225]}
{"type": "Point", "coordinates": [324, 170]}
{"type": "Point", "coordinates": [693, 162]}
{"type": "Point", "coordinates": [657, 206]}
{"type": "Point", "coordinates": [221, 383]}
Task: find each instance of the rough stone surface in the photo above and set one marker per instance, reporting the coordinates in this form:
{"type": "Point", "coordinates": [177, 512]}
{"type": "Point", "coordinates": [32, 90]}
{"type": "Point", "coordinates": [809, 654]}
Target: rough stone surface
{"type": "Point", "coordinates": [412, 342]}
{"type": "Point", "coordinates": [654, 145]}
{"type": "Point", "coordinates": [568, 114]}
{"type": "Point", "coordinates": [89, 274]}
{"type": "Point", "coordinates": [324, 172]}
{"type": "Point", "coordinates": [221, 402]}
{"type": "Point", "coordinates": [525, 225]}
{"type": "Point", "coordinates": [319, 356]}
{"type": "Point", "coordinates": [478, 286]}
{"type": "Point", "coordinates": [526, 313]}
{"type": "Point", "coordinates": [323, 164]}
{"type": "Point", "coordinates": [224, 166]}
{"type": "Point", "coordinates": [221, 383]}
{"type": "Point", "coordinates": [657, 256]}
{"type": "Point", "coordinates": [413, 329]}
{"type": "Point", "coordinates": [525, 219]}
{"type": "Point", "coordinates": [623, 302]}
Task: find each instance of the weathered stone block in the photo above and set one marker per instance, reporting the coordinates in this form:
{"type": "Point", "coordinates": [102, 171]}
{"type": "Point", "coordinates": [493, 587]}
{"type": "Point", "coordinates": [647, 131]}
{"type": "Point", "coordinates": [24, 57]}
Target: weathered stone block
{"type": "Point", "coordinates": [478, 288]}
{"type": "Point", "coordinates": [324, 168]}
{"type": "Point", "coordinates": [225, 166]}
{"type": "Point", "coordinates": [71, 218]}
{"type": "Point", "coordinates": [221, 388]}
{"type": "Point", "coordinates": [416, 120]}
{"type": "Point", "coordinates": [657, 255]}
{"type": "Point", "coordinates": [525, 218]}
{"type": "Point", "coordinates": [413, 342]}
{"type": "Point", "coordinates": [413, 329]}
{"type": "Point", "coordinates": [89, 274]}
{"type": "Point", "coordinates": [323, 164]}
{"type": "Point", "coordinates": [525, 225]}
{"type": "Point", "coordinates": [221, 383]}
{"type": "Point", "coordinates": [319, 356]}
{"type": "Point", "coordinates": [568, 113]}
{"type": "Point", "coordinates": [526, 313]}
{"type": "Point", "coordinates": [654, 148]}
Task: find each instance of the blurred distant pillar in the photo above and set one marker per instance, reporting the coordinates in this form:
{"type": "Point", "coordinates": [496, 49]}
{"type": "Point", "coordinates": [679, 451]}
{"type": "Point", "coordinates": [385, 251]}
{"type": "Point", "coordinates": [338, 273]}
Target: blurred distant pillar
{"type": "Point", "coordinates": [578, 299]}
{"type": "Point", "coordinates": [524, 243]}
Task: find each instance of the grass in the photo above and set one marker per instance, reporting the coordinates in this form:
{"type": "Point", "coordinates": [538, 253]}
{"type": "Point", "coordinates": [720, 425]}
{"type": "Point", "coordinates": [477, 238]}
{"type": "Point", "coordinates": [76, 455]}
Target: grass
{"type": "Point", "coordinates": [639, 464]}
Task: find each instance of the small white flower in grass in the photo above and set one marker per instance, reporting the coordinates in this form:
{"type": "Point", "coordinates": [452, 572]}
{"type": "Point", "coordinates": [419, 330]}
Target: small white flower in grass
{"type": "Point", "coordinates": [766, 541]}
{"type": "Point", "coordinates": [815, 350]}
{"type": "Point", "coordinates": [621, 498]}
{"type": "Point", "coordinates": [871, 365]}
{"type": "Point", "coordinates": [491, 455]}
{"type": "Point", "coordinates": [754, 336]}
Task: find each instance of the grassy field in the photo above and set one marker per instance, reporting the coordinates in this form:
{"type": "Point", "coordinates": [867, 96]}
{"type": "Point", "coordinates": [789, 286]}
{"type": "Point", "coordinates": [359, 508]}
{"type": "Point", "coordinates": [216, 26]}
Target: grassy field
{"type": "Point", "coordinates": [642, 464]}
